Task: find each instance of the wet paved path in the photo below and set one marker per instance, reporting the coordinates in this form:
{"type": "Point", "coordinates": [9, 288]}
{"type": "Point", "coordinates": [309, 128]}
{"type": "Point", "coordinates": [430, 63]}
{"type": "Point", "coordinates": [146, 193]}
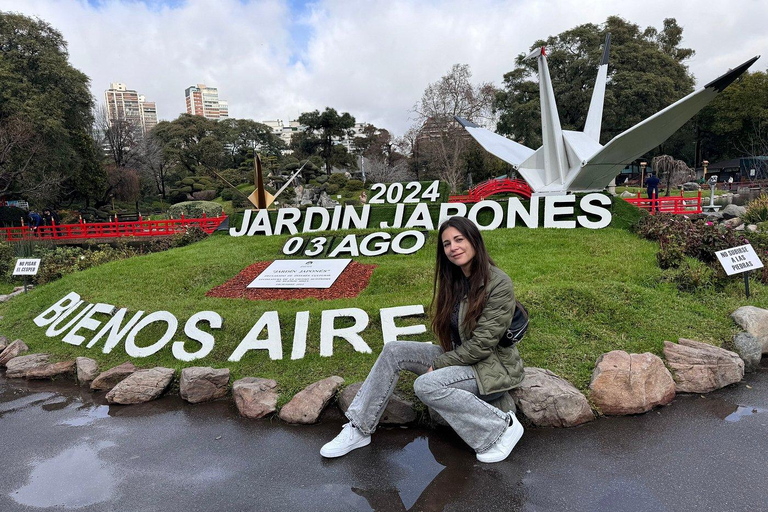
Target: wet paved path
{"type": "Point", "coordinates": [65, 449]}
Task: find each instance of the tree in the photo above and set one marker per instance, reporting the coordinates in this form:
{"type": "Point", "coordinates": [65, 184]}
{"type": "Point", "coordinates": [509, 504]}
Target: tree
{"type": "Point", "coordinates": [735, 124]}
{"type": "Point", "coordinates": [155, 164]}
{"type": "Point", "coordinates": [40, 87]}
{"type": "Point", "coordinates": [242, 136]}
{"type": "Point", "coordinates": [671, 171]}
{"type": "Point", "coordinates": [323, 129]}
{"type": "Point", "coordinates": [120, 138]}
{"type": "Point", "coordinates": [645, 74]}
{"type": "Point", "coordinates": [441, 141]}
{"type": "Point", "coordinates": [192, 145]}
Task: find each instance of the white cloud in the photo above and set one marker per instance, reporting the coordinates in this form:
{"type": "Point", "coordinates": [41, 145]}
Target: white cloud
{"type": "Point", "coordinates": [372, 59]}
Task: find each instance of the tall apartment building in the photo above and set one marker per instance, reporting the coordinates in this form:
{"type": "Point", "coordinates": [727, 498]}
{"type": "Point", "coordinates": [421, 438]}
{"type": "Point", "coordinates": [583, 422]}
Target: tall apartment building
{"type": "Point", "coordinates": [286, 131]}
{"type": "Point", "coordinates": [204, 101]}
{"type": "Point", "coordinates": [128, 105]}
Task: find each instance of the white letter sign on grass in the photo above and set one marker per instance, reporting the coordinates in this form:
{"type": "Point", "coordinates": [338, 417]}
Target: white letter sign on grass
{"type": "Point", "coordinates": [390, 331]}
{"type": "Point", "coordinates": [273, 344]}
{"type": "Point", "coordinates": [328, 331]}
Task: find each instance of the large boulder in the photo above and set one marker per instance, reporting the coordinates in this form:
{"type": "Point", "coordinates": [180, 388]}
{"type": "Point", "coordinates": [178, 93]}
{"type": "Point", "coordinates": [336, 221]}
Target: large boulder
{"type": "Point", "coordinates": [305, 407]}
{"type": "Point", "coordinates": [625, 383]}
{"type": "Point", "coordinates": [691, 186]}
{"type": "Point", "coordinates": [3, 343]}
{"type": "Point", "coordinates": [18, 367]}
{"type": "Point", "coordinates": [109, 379]}
{"type": "Point", "coordinates": [397, 411]}
{"type": "Point", "coordinates": [201, 384]}
{"type": "Point", "coordinates": [734, 222]}
{"type": "Point", "coordinates": [15, 349]}
{"type": "Point", "coordinates": [551, 401]}
{"type": "Point", "coordinates": [733, 210]}
{"type": "Point", "coordinates": [141, 386]}
{"type": "Point", "coordinates": [87, 370]}
{"type": "Point", "coordinates": [255, 397]}
{"type": "Point", "coordinates": [750, 318]}
{"type": "Point", "coordinates": [701, 368]}
{"type": "Point", "coordinates": [750, 350]}
{"type": "Point", "coordinates": [52, 370]}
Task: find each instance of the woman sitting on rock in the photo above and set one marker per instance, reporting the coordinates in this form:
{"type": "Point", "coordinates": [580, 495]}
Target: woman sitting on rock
{"type": "Point", "coordinates": [472, 306]}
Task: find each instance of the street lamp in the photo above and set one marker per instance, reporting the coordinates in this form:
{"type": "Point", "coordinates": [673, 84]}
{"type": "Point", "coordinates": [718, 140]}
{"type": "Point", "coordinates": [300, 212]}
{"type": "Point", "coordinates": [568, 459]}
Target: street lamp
{"type": "Point", "coordinates": [642, 173]}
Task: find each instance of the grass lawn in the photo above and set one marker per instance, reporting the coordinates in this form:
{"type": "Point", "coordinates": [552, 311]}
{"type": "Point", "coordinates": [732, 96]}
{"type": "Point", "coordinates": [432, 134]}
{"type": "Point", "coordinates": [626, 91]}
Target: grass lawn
{"type": "Point", "coordinates": [587, 292]}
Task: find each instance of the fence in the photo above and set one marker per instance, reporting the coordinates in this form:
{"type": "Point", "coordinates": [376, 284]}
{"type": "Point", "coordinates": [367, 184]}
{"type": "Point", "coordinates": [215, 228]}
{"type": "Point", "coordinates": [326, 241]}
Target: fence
{"type": "Point", "coordinates": [114, 229]}
{"type": "Point", "coordinates": [679, 205]}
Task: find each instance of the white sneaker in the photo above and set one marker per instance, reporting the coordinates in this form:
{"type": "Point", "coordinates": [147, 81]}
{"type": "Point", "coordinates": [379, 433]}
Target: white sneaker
{"type": "Point", "coordinates": [349, 439]}
{"type": "Point", "coordinates": [501, 449]}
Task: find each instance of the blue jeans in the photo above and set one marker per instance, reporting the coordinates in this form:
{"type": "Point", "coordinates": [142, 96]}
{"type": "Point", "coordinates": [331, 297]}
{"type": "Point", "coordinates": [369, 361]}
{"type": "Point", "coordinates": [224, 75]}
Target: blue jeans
{"type": "Point", "coordinates": [451, 392]}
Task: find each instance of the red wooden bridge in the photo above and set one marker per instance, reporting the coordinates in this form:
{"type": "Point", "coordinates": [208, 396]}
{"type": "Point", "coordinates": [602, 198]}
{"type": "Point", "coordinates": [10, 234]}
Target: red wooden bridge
{"type": "Point", "coordinates": [114, 229]}
{"type": "Point", "coordinates": [672, 204]}
{"type": "Point", "coordinates": [494, 186]}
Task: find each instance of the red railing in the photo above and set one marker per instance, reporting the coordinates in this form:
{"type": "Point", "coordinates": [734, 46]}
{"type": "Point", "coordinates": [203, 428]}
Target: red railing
{"type": "Point", "coordinates": [678, 205]}
{"type": "Point", "coordinates": [495, 186]}
{"type": "Point", "coordinates": [114, 229]}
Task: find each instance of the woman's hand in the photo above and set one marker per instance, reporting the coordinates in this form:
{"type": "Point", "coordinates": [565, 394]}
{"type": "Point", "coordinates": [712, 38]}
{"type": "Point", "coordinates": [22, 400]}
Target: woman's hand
{"type": "Point", "coordinates": [429, 369]}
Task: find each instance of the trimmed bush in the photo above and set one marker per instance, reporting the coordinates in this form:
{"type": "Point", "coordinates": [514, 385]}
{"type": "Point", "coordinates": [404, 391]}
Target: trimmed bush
{"type": "Point", "coordinates": [338, 179]}
{"type": "Point", "coordinates": [332, 188]}
{"type": "Point", "coordinates": [354, 185]}
{"type": "Point", "coordinates": [195, 209]}
{"type": "Point", "coordinates": [227, 194]}
{"type": "Point", "coordinates": [188, 181]}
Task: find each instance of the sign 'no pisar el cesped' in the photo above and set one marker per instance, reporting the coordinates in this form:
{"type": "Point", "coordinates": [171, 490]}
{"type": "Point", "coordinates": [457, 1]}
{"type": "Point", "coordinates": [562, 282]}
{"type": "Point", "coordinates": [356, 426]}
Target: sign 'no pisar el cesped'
{"type": "Point", "coordinates": [26, 267]}
{"type": "Point", "coordinates": [739, 259]}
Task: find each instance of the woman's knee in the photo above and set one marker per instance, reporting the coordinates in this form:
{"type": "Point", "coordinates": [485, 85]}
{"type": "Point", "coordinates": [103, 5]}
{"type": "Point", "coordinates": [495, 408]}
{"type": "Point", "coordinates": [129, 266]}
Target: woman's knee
{"type": "Point", "coordinates": [425, 387]}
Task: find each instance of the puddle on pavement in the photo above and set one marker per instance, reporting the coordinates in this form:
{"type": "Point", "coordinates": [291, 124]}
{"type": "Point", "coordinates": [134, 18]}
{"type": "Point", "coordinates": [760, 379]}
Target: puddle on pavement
{"type": "Point", "coordinates": [87, 415]}
{"type": "Point", "coordinates": [742, 411]}
{"type": "Point", "coordinates": [59, 482]}
{"type": "Point", "coordinates": [25, 401]}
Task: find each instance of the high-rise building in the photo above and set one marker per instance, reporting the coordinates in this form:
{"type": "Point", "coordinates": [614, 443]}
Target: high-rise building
{"type": "Point", "coordinates": [127, 105]}
{"type": "Point", "coordinates": [204, 101]}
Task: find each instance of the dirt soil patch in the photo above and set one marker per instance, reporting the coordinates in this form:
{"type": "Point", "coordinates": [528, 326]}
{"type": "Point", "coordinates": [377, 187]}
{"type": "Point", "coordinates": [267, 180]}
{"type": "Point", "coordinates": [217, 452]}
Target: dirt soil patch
{"type": "Point", "coordinates": [350, 283]}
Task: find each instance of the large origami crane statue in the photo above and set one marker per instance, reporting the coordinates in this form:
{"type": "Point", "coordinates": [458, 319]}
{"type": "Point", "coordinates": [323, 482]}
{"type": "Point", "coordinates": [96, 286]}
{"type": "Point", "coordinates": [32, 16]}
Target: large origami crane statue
{"type": "Point", "coordinates": [570, 161]}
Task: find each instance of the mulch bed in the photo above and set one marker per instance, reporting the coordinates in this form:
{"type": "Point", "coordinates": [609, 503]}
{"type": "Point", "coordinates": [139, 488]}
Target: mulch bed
{"type": "Point", "coordinates": [350, 283]}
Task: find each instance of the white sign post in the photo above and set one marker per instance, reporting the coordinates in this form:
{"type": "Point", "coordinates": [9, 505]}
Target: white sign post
{"type": "Point", "coordinates": [739, 259]}
{"type": "Point", "coordinates": [300, 274]}
{"type": "Point", "coordinates": [26, 267]}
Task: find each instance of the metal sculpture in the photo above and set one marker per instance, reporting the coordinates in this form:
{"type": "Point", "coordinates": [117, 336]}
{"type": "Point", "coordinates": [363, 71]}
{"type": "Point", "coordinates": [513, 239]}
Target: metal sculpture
{"type": "Point", "coordinates": [571, 161]}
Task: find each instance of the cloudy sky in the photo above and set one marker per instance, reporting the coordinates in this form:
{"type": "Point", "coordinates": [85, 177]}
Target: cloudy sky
{"type": "Point", "coordinates": [273, 59]}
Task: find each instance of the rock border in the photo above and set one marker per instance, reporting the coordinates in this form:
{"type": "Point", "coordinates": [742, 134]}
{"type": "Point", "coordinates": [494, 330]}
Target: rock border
{"type": "Point", "coordinates": [544, 398]}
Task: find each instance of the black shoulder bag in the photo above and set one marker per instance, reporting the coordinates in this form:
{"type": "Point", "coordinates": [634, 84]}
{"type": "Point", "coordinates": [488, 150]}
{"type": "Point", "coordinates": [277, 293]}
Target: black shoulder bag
{"type": "Point", "coordinates": [517, 328]}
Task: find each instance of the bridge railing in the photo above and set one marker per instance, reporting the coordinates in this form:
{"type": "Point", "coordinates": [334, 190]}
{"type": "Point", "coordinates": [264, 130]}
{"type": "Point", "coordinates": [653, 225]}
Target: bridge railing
{"type": "Point", "coordinates": [678, 205]}
{"type": "Point", "coordinates": [491, 187]}
{"type": "Point", "coordinates": [114, 229]}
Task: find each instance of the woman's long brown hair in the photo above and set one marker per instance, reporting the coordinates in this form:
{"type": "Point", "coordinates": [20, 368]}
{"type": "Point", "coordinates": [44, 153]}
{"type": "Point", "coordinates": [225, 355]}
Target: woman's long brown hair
{"type": "Point", "coordinates": [449, 287]}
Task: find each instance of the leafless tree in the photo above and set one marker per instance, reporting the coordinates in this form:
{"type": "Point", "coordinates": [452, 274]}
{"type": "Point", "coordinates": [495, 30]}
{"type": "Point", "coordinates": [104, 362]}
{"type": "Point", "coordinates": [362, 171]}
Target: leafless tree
{"type": "Point", "coordinates": [441, 140]}
{"type": "Point", "coordinates": [379, 171]}
{"type": "Point", "coordinates": [22, 155]}
{"type": "Point", "coordinates": [153, 163]}
{"type": "Point", "coordinates": [120, 138]}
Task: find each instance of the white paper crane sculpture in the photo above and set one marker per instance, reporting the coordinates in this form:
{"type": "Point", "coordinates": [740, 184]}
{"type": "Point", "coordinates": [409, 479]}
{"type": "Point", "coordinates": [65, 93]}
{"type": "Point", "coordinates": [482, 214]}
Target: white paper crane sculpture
{"type": "Point", "coordinates": [570, 161]}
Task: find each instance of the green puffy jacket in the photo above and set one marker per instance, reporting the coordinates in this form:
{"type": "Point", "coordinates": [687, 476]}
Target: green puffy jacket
{"type": "Point", "coordinates": [496, 368]}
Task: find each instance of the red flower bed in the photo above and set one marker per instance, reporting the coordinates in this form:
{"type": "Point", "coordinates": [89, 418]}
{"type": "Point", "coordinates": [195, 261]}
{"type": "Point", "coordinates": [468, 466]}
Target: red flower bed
{"type": "Point", "coordinates": [350, 283]}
